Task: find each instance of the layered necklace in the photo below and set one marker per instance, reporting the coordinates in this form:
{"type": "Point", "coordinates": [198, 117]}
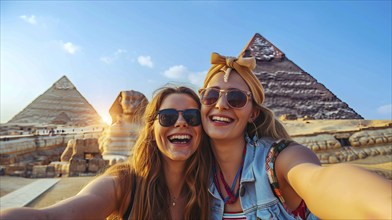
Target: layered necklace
{"type": "Point", "coordinates": [232, 197]}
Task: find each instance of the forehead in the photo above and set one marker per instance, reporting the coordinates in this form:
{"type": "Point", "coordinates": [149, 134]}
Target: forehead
{"type": "Point", "coordinates": [235, 81]}
{"type": "Point", "coordinates": [178, 101]}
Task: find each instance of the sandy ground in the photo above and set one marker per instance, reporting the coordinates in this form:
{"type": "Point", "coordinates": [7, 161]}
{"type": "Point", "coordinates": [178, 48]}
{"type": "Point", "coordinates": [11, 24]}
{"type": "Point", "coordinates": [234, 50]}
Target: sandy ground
{"type": "Point", "coordinates": [10, 183]}
{"type": "Point", "coordinates": [65, 188]}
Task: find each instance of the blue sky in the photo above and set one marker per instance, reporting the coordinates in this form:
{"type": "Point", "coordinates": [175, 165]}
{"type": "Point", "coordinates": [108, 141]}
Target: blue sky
{"type": "Point", "coordinates": [104, 47]}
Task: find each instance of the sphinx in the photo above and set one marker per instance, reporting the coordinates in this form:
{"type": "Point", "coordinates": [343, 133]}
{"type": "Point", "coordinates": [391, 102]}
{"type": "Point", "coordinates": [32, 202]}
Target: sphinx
{"type": "Point", "coordinates": [117, 140]}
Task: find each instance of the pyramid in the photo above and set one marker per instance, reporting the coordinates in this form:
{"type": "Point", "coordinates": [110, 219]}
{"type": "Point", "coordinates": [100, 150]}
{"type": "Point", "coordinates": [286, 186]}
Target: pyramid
{"type": "Point", "coordinates": [61, 104]}
{"type": "Point", "coordinates": [289, 90]}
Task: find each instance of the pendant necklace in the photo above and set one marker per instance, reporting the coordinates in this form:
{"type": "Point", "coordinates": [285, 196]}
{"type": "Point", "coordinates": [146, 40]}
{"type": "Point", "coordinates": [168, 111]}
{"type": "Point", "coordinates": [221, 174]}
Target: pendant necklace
{"type": "Point", "coordinates": [174, 201]}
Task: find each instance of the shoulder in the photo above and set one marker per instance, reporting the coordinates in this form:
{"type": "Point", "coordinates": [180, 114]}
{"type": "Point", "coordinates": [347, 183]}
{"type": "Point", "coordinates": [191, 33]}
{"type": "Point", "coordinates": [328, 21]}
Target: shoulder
{"type": "Point", "coordinates": [104, 184]}
{"type": "Point", "coordinates": [293, 155]}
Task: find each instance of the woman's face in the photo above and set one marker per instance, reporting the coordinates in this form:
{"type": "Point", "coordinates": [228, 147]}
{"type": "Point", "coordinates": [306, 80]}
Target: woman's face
{"type": "Point", "coordinates": [179, 141]}
{"type": "Point", "coordinates": [220, 121]}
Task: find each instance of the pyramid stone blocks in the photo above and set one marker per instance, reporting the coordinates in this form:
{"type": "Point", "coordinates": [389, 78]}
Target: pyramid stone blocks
{"type": "Point", "coordinates": [289, 90]}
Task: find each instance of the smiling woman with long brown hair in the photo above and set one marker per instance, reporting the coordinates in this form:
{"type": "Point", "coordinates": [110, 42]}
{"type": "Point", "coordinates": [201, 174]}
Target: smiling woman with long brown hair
{"type": "Point", "coordinates": [165, 178]}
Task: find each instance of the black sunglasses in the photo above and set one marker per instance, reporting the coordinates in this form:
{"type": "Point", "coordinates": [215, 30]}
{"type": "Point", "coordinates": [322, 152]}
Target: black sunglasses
{"type": "Point", "coordinates": [235, 98]}
{"type": "Point", "coordinates": [168, 117]}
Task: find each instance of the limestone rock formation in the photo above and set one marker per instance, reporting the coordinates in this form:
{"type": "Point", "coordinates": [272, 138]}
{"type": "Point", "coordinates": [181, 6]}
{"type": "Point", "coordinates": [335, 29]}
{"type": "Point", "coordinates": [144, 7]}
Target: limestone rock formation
{"type": "Point", "coordinates": [117, 140]}
{"type": "Point", "coordinates": [289, 89]}
{"type": "Point", "coordinates": [61, 104]}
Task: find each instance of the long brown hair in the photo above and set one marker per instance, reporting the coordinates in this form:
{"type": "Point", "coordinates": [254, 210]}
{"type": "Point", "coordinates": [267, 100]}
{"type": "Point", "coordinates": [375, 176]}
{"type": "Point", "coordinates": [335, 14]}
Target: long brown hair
{"type": "Point", "coordinates": [266, 124]}
{"type": "Point", "coordinates": [145, 164]}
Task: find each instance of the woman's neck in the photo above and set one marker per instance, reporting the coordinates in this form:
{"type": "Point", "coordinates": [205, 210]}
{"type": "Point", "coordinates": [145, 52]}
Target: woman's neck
{"type": "Point", "coordinates": [174, 175]}
{"type": "Point", "coordinates": [174, 172]}
{"type": "Point", "coordinates": [228, 155]}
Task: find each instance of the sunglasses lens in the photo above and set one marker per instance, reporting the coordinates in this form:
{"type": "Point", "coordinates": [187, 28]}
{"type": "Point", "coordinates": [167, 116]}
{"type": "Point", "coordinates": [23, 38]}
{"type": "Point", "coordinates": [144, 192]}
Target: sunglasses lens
{"type": "Point", "coordinates": [168, 117]}
{"type": "Point", "coordinates": [210, 96]}
{"type": "Point", "coordinates": [192, 117]}
{"type": "Point", "coordinates": [236, 99]}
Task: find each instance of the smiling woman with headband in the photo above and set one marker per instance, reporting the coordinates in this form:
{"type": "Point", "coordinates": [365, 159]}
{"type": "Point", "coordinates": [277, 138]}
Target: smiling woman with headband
{"type": "Point", "coordinates": [259, 172]}
{"type": "Point", "coordinates": [165, 178]}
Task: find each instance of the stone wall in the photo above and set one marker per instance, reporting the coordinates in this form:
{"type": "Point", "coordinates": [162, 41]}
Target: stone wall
{"type": "Point", "coordinates": [30, 156]}
{"type": "Point", "coordinates": [360, 144]}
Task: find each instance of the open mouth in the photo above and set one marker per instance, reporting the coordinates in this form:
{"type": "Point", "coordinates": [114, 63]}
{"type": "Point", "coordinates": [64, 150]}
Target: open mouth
{"type": "Point", "coordinates": [221, 119]}
{"type": "Point", "coordinates": [180, 138]}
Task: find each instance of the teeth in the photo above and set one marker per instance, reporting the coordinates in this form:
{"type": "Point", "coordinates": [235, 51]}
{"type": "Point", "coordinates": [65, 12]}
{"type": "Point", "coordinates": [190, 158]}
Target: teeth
{"type": "Point", "coordinates": [180, 137]}
{"type": "Point", "coordinates": [223, 119]}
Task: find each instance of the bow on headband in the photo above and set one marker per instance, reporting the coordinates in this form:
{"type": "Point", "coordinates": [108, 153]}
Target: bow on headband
{"type": "Point", "coordinates": [249, 62]}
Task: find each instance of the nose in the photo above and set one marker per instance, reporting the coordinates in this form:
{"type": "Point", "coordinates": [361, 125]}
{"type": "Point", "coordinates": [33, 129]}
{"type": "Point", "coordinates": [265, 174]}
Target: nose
{"type": "Point", "coordinates": [181, 122]}
{"type": "Point", "coordinates": [221, 103]}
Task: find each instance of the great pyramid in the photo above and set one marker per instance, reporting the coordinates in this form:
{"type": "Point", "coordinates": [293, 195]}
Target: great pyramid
{"type": "Point", "coordinates": [289, 90]}
{"type": "Point", "coordinates": [61, 104]}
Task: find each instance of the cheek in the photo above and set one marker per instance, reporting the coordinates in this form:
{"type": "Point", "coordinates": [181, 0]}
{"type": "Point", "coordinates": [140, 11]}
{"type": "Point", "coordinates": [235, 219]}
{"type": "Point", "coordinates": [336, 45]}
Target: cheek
{"type": "Point", "coordinates": [246, 113]}
{"type": "Point", "coordinates": [204, 112]}
{"type": "Point", "coordinates": [157, 131]}
{"type": "Point", "coordinates": [199, 132]}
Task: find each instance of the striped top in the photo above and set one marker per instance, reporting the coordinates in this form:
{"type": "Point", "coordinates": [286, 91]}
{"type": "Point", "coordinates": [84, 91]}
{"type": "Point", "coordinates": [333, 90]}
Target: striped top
{"type": "Point", "coordinates": [234, 216]}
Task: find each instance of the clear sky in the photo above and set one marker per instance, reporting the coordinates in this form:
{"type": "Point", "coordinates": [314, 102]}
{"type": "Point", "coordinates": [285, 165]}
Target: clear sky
{"type": "Point", "coordinates": [104, 47]}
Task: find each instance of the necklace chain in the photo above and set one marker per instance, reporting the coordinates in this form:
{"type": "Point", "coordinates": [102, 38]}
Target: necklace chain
{"type": "Point", "coordinates": [174, 199]}
{"type": "Point", "coordinates": [232, 197]}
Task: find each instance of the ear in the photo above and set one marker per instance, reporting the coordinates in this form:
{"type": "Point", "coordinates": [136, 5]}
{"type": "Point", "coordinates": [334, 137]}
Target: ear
{"type": "Point", "coordinates": [253, 115]}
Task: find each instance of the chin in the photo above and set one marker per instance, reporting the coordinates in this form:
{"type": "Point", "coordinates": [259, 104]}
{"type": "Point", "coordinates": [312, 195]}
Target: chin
{"type": "Point", "coordinates": [213, 133]}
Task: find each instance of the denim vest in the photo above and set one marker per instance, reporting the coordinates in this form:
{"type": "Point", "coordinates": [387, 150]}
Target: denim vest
{"type": "Point", "coordinates": [255, 194]}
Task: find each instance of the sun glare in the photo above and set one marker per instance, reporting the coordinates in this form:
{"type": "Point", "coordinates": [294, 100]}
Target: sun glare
{"type": "Point", "coordinates": [107, 119]}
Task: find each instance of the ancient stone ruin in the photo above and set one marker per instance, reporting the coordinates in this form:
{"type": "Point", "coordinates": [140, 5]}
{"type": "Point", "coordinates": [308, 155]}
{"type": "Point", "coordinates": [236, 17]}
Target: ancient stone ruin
{"type": "Point", "coordinates": [81, 156]}
{"type": "Point", "coordinates": [36, 137]}
{"type": "Point", "coordinates": [289, 89]}
{"type": "Point", "coordinates": [117, 140]}
{"type": "Point", "coordinates": [338, 143]}
{"type": "Point", "coordinates": [61, 104]}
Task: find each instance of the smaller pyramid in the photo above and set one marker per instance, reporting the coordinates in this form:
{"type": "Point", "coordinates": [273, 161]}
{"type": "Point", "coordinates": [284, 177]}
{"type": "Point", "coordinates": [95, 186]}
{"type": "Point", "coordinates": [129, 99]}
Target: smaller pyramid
{"type": "Point", "coordinates": [61, 104]}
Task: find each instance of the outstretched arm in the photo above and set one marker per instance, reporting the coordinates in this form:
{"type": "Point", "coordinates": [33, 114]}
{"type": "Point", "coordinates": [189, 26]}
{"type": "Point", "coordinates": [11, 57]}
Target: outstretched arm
{"type": "Point", "coordinates": [96, 201]}
{"type": "Point", "coordinates": [340, 191]}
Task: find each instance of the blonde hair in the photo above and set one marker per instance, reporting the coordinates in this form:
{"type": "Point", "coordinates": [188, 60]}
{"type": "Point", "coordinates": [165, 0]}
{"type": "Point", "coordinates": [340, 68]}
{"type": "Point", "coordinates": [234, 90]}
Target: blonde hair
{"type": "Point", "coordinates": [266, 124]}
{"type": "Point", "coordinates": [145, 164]}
